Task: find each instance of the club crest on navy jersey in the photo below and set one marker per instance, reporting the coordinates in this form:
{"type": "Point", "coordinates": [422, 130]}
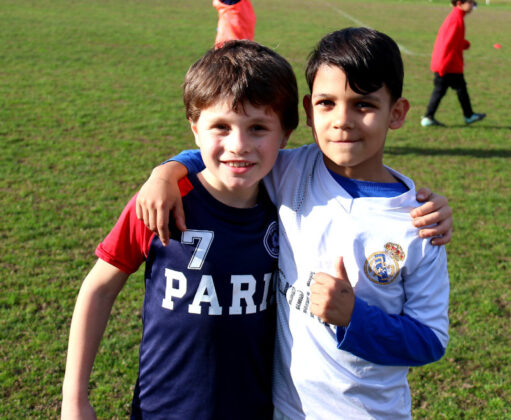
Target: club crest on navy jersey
{"type": "Point", "coordinates": [382, 267]}
{"type": "Point", "coordinates": [271, 240]}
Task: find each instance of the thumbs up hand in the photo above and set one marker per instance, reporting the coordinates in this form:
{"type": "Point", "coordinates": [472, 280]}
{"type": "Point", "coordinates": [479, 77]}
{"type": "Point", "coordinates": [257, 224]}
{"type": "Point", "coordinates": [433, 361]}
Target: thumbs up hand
{"type": "Point", "coordinates": [332, 298]}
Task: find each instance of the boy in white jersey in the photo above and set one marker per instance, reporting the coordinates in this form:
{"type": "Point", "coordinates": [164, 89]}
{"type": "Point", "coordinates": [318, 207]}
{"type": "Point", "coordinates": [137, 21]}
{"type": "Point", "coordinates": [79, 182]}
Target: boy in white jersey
{"type": "Point", "coordinates": [385, 307]}
{"type": "Point", "coordinates": [349, 328]}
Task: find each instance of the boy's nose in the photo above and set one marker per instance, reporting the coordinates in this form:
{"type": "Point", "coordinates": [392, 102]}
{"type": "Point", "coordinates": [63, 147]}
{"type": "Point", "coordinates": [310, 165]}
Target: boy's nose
{"type": "Point", "coordinates": [343, 118]}
{"type": "Point", "coordinates": [238, 142]}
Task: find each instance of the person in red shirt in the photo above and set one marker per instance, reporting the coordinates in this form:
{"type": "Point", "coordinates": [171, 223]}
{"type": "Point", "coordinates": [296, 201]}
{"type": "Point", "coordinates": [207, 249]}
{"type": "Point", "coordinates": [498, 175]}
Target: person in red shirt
{"type": "Point", "coordinates": [236, 20]}
{"type": "Point", "coordinates": [447, 64]}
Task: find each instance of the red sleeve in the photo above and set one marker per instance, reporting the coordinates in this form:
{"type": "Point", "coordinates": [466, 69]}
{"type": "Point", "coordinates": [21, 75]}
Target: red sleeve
{"type": "Point", "coordinates": [127, 245]}
{"type": "Point", "coordinates": [185, 186]}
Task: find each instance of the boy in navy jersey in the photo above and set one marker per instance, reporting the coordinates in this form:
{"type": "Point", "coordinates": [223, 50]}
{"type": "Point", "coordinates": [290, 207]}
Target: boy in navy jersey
{"type": "Point", "coordinates": [349, 328]}
{"type": "Point", "coordinates": [208, 313]}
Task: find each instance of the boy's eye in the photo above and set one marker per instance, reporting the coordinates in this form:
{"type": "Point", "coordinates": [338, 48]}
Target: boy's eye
{"type": "Point", "coordinates": [221, 127]}
{"type": "Point", "coordinates": [258, 127]}
{"type": "Point", "coordinates": [363, 104]}
{"type": "Point", "coordinates": [326, 103]}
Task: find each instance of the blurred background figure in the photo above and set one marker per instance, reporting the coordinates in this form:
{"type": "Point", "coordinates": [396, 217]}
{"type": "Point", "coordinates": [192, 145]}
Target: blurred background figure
{"type": "Point", "coordinates": [236, 20]}
{"type": "Point", "coordinates": [447, 64]}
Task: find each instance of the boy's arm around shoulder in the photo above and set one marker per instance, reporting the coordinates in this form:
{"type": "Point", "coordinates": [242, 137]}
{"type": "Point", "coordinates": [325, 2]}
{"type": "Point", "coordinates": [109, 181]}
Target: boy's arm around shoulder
{"type": "Point", "coordinates": [92, 310]}
{"type": "Point", "coordinates": [291, 166]}
{"type": "Point", "coordinates": [434, 216]}
{"type": "Point", "coordinates": [159, 196]}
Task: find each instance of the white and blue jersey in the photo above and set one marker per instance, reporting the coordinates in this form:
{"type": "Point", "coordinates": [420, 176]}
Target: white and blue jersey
{"type": "Point", "coordinates": [208, 312]}
{"type": "Point", "coordinates": [401, 286]}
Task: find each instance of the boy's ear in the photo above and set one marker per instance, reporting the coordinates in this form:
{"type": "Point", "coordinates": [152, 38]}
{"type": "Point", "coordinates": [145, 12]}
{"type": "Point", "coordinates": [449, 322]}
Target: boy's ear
{"type": "Point", "coordinates": [195, 131]}
{"type": "Point", "coordinates": [307, 105]}
{"type": "Point", "coordinates": [398, 113]}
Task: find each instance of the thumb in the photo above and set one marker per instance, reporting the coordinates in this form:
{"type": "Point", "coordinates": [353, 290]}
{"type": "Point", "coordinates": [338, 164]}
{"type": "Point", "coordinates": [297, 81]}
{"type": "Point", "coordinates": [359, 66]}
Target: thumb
{"type": "Point", "coordinates": [340, 270]}
{"type": "Point", "coordinates": [423, 194]}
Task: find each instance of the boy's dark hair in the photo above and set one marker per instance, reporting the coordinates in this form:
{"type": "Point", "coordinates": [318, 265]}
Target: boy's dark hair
{"type": "Point", "coordinates": [370, 60]}
{"type": "Point", "coordinates": [242, 71]}
{"type": "Point", "coordinates": [455, 2]}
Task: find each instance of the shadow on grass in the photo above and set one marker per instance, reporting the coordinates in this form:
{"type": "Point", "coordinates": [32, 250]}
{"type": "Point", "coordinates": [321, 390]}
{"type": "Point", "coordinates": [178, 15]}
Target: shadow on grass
{"type": "Point", "coordinates": [479, 153]}
{"type": "Point", "coordinates": [491, 127]}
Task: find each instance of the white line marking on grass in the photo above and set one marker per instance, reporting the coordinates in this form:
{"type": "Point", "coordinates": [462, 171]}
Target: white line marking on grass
{"type": "Point", "coordinates": [403, 49]}
{"type": "Point", "coordinates": [346, 15]}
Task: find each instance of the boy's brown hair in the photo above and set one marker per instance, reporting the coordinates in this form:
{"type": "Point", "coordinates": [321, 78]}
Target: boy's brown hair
{"type": "Point", "coordinates": [242, 71]}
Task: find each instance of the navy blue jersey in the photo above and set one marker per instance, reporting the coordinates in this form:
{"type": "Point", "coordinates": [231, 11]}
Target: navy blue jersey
{"type": "Point", "coordinates": [208, 313]}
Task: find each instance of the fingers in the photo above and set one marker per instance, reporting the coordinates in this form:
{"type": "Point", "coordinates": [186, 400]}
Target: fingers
{"type": "Point", "coordinates": [441, 233]}
{"type": "Point", "coordinates": [320, 284]}
{"type": "Point", "coordinates": [321, 297]}
{"type": "Point", "coordinates": [440, 226]}
{"type": "Point", "coordinates": [440, 216]}
{"type": "Point", "coordinates": [139, 209]}
{"type": "Point", "coordinates": [155, 215]}
{"type": "Point", "coordinates": [443, 240]}
{"type": "Point", "coordinates": [423, 194]}
{"type": "Point", "coordinates": [436, 225]}
{"type": "Point", "coordinates": [157, 220]}
{"type": "Point", "coordinates": [332, 298]}
{"type": "Point", "coordinates": [143, 211]}
{"type": "Point", "coordinates": [179, 215]}
{"type": "Point", "coordinates": [157, 197]}
{"type": "Point", "coordinates": [435, 202]}
{"type": "Point", "coordinates": [162, 226]}
{"type": "Point", "coordinates": [151, 222]}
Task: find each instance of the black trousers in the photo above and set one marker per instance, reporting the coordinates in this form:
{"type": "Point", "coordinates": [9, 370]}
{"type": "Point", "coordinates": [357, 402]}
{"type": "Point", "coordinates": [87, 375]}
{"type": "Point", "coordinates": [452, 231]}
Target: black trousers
{"type": "Point", "coordinates": [441, 84]}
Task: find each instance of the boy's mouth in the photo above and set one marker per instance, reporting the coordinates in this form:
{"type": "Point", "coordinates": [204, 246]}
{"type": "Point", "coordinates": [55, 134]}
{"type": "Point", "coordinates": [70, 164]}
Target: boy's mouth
{"type": "Point", "coordinates": [238, 164]}
{"type": "Point", "coordinates": [344, 141]}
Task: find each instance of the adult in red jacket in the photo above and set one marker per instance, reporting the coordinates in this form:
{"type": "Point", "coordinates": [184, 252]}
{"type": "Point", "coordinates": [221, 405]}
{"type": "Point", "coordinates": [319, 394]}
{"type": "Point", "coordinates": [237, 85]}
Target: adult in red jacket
{"type": "Point", "coordinates": [447, 64]}
{"type": "Point", "coordinates": [236, 20]}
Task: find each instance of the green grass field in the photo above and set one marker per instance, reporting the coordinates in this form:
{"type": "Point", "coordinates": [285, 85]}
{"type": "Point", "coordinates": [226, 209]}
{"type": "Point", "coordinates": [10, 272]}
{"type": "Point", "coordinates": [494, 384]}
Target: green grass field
{"type": "Point", "coordinates": [90, 101]}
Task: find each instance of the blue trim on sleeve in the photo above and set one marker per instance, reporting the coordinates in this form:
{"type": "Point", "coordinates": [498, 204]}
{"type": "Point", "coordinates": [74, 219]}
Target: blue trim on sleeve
{"type": "Point", "coordinates": [192, 159]}
{"type": "Point", "coordinates": [385, 339]}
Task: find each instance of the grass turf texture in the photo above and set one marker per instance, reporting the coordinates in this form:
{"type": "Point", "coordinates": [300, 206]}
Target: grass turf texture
{"type": "Point", "coordinates": [90, 101]}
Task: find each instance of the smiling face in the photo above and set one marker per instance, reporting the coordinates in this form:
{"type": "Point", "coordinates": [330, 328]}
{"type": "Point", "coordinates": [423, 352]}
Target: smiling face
{"type": "Point", "coordinates": [238, 149]}
{"type": "Point", "coordinates": [349, 127]}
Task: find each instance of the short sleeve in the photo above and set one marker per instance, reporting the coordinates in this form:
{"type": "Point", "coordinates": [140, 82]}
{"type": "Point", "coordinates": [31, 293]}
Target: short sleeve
{"type": "Point", "coordinates": [127, 245]}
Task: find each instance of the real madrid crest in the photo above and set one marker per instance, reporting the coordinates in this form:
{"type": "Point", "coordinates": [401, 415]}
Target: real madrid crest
{"type": "Point", "coordinates": [382, 267]}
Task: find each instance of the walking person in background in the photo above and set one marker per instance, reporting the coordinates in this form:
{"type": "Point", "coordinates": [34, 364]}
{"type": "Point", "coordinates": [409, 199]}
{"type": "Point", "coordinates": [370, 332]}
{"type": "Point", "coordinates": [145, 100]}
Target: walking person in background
{"type": "Point", "coordinates": [236, 20]}
{"type": "Point", "coordinates": [447, 64]}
